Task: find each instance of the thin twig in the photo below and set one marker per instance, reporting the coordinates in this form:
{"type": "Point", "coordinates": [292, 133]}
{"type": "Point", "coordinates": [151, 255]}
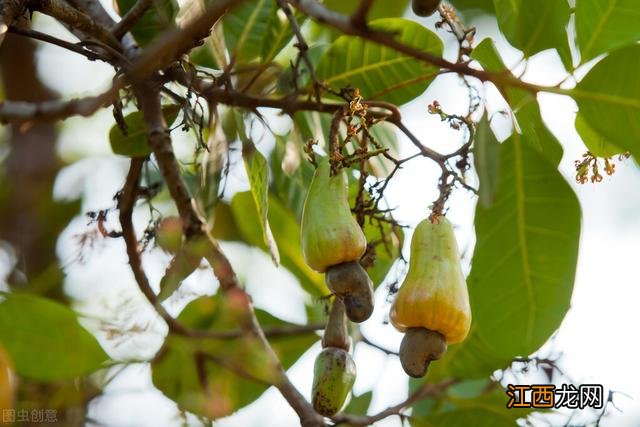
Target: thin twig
{"type": "Point", "coordinates": [73, 47]}
{"type": "Point", "coordinates": [377, 346]}
{"type": "Point", "coordinates": [131, 18]}
{"type": "Point", "coordinates": [302, 46]}
{"type": "Point", "coordinates": [427, 390]}
{"type": "Point", "coordinates": [359, 17]}
{"type": "Point", "coordinates": [344, 24]}
{"type": "Point", "coordinates": [126, 202]}
{"type": "Point", "coordinates": [76, 19]}
{"type": "Point", "coordinates": [21, 112]}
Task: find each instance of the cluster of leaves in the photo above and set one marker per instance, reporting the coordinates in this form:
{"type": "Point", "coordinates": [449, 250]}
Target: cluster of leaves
{"type": "Point", "coordinates": [527, 219]}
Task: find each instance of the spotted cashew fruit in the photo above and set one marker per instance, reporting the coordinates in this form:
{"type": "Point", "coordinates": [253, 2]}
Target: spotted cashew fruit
{"type": "Point", "coordinates": [432, 305]}
{"type": "Point", "coordinates": [334, 375]}
{"type": "Point", "coordinates": [333, 242]}
{"type": "Point", "coordinates": [425, 7]}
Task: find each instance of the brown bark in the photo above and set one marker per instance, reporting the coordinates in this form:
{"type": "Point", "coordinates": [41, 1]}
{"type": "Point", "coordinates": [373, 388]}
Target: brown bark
{"type": "Point", "coordinates": [29, 219]}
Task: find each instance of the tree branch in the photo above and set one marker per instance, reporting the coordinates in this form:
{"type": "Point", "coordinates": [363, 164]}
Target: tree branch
{"type": "Point", "coordinates": [9, 9]}
{"type": "Point", "coordinates": [194, 228]}
{"type": "Point", "coordinates": [94, 9]}
{"type": "Point", "coordinates": [359, 17]}
{"type": "Point", "coordinates": [177, 41]}
{"type": "Point", "coordinates": [344, 24]}
{"type": "Point", "coordinates": [126, 202]}
{"type": "Point", "coordinates": [73, 47]}
{"type": "Point", "coordinates": [76, 19]}
{"type": "Point", "coordinates": [427, 390]}
{"type": "Point", "coordinates": [302, 46]}
{"type": "Point", "coordinates": [131, 18]}
{"type": "Point", "coordinates": [21, 112]}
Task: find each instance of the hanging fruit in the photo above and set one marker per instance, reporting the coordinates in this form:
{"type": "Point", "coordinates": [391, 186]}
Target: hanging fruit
{"type": "Point", "coordinates": [432, 305]}
{"type": "Point", "coordinates": [334, 375]}
{"type": "Point", "coordinates": [351, 282]}
{"type": "Point", "coordinates": [333, 242]}
{"type": "Point", "coordinates": [329, 233]}
{"type": "Point", "coordinates": [425, 7]}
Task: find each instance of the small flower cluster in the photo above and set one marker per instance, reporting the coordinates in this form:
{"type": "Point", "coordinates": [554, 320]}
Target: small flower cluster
{"type": "Point", "coordinates": [454, 120]}
{"type": "Point", "coordinates": [591, 164]}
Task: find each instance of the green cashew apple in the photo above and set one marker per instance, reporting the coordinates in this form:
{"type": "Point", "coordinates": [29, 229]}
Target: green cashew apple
{"type": "Point", "coordinates": [352, 283]}
{"type": "Point", "coordinates": [330, 234]}
{"type": "Point", "coordinates": [336, 334]}
{"type": "Point", "coordinates": [334, 375]}
{"type": "Point", "coordinates": [434, 294]}
{"type": "Point", "coordinates": [425, 7]}
{"type": "Point", "coordinates": [419, 348]}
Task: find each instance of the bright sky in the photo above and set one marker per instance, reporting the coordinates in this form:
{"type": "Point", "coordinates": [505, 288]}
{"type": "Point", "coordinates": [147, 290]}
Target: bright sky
{"type": "Point", "coordinates": [598, 337]}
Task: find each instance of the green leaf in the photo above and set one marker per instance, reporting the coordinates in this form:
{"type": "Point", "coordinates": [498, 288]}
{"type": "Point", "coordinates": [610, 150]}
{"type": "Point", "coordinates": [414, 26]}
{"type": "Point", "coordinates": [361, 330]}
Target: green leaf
{"type": "Point", "coordinates": [247, 28]}
{"type": "Point", "coordinates": [486, 158]}
{"type": "Point", "coordinates": [482, 5]}
{"type": "Point", "coordinates": [184, 263]}
{"type": "Point", "coordinates": [534, 26]}
{"type": "Point", "coordinates": [258, 173]}
{"type": "Point", "coordinates": [385, 135]}
{"type": "Point", "coordinates": [285, 79]}
{"type": "Point", "coordinates": [524, 105]}
{"type": "Point", "coordinates": [609, 98]}
{"type": "Point", "coordinates": [381, 72]}
{"type": "Point", "coordinates": [292, 174]}
{"type": "Point", "coordinates": [45, 340]}
{"type": "Point", "coordinates": [523, 267]}
{"type": "Point", "coordinates": [158, 18]}
{"type": "Point", "coordinates": [287, 234]}
{"type": "Point", "coordinates": [597, 144]}
{"type": "Point", "coordinates": [134, 143]}
{"type": "Point", "coordinates": [209, 377]}
{"type": "Point", "coordinates": [380, 9]}
{"type": "Point", "coordinates": [486, 410]}
{"type": "Point", "coordinates": [604, 25]}
{"type": "Point", "coordinates": [390, 240]}
{"type": "Point", "coordinates": [278, 33]}
{"type": "Point", "coordinates": [359, 404]}
{"type": "Point", "coordinates": [488, 56]}
{"type": "Point", "coordinates": [529, 119]}
{"type": "Point", "coordinates": [469, 389]}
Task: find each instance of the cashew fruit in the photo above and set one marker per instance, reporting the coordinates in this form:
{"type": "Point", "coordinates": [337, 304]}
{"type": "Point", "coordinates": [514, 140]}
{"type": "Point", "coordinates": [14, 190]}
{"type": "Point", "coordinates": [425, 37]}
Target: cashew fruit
{"type": "Point", "coordinates": [425, 7]}
{"type": "Point", "coordinates": [419, 348]}
{"type": "Point", "coordinates": [352, 283]}
{"type": "Point", "coordinates": [7, 382]}
{"type": "Point", "coordinates": [333, 376]}
{"type": "Point", "coordinates": [336, 334]}
{"type": "Point", "coordinates": [434, 294]}
{"type": "Point", "coordinates": [359, 306]}
{"type": "Point", "coordinates": [330, 234]}
{"type": "Point", "coordinates": [346, 278]}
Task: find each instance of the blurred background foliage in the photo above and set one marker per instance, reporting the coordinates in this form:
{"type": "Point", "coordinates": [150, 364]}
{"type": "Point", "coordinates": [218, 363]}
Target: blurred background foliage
{"type": "Point", "coordinates": [527, 223]}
